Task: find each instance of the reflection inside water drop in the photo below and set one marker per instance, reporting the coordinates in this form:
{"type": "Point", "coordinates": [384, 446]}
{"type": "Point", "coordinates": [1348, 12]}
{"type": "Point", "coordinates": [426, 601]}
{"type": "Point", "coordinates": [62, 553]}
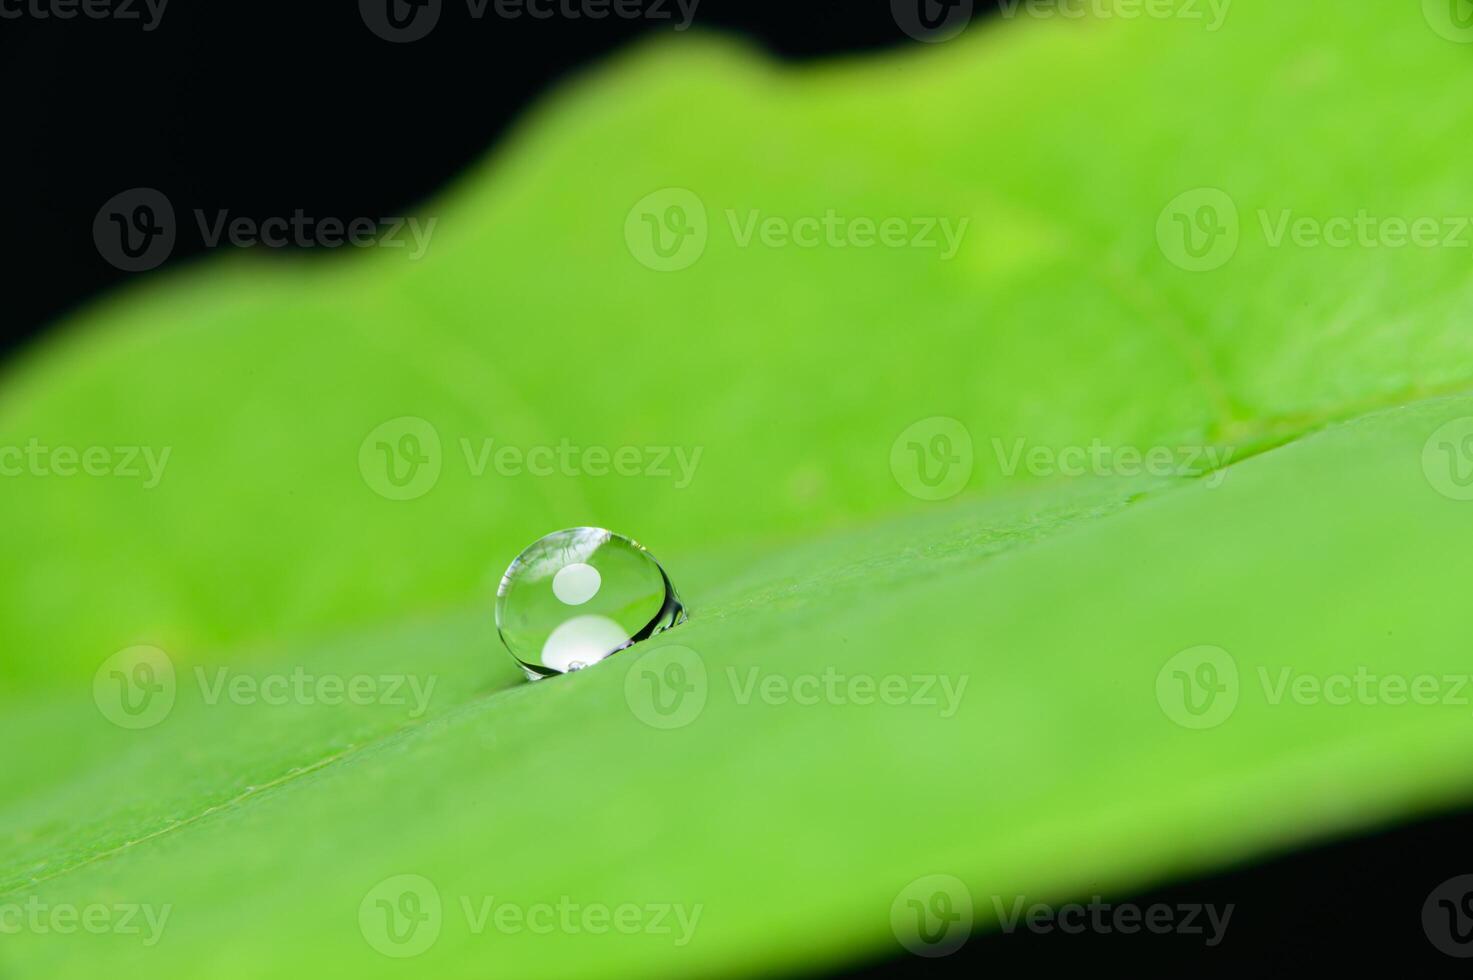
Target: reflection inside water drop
{"type": "Point", "coordinates": [577, 596]}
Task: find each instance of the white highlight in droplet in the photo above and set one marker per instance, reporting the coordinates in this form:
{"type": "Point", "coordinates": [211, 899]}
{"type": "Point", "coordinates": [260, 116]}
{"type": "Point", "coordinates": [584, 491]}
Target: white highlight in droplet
{"type": "Point", "coordinates": [581, 642]}
{"type": "Point", "coordinates": [577, 583]}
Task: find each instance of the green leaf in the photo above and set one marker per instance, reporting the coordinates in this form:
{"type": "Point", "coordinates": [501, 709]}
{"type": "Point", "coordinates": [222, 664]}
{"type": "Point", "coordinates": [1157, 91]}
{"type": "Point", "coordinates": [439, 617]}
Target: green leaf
{"type": "Point", "coordinates": [1047, 619]}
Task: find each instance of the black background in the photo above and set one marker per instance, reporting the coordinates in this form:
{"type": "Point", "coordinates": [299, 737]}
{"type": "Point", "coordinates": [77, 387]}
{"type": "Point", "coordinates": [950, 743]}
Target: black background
{"type": "Point", "coordinates": [263, 108]}
{"type": "Point", "coordinates": [266, 108]}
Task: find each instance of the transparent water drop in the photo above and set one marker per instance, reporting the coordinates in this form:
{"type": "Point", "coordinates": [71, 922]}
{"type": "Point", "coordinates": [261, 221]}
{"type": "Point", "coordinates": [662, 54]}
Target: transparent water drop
{"type": "Point", "coordinates": [577, 596]}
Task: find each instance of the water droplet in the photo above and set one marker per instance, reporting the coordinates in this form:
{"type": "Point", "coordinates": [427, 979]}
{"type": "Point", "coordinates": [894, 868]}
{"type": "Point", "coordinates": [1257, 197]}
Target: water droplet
{"type": "Point", "coordinates": [574, 597]}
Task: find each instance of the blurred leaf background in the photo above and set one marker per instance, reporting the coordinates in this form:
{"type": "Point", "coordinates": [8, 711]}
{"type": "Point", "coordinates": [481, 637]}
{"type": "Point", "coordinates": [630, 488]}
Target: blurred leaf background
{"type": "Point", "coordinates": [1061, 320]}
